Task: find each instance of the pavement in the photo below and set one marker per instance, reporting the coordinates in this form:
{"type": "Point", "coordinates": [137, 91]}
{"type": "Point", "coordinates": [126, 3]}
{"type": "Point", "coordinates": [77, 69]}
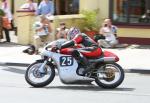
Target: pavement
{"type": "Point", "coordinates": [134, 59]}
{"type": "Point", "coordinates": [11, 54]}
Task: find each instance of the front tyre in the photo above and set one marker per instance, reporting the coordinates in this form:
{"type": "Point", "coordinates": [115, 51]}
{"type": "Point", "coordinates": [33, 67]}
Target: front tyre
{"type": "Point", "coordinates": [109, 75]}
{"type": "Point", "coordinates": [37, 79]}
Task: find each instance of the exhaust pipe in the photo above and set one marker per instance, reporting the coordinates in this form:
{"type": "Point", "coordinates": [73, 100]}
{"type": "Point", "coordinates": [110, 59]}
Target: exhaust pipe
{"type": "Point", "coordinates": [103, 59]}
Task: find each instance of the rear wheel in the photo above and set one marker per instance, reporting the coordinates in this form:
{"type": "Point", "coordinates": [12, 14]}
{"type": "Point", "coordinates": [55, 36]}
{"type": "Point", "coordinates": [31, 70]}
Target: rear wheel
{"type": "Point", "coordinates": [37, 79]}
{"type": "Point", "coordinates": [109, 76]}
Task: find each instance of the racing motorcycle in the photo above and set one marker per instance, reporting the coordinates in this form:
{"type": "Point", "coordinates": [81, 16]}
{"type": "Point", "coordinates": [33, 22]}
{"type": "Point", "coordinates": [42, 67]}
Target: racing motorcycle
{"type": "Point", "coordinates": [105, 72]}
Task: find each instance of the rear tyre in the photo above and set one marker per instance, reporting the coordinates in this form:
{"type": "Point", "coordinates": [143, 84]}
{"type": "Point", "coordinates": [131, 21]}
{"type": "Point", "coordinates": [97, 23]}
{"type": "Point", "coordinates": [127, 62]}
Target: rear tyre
{"type": "Point", "coordinates": [35, 78]}
{"type": "Point", "coordinates": [109, 76]}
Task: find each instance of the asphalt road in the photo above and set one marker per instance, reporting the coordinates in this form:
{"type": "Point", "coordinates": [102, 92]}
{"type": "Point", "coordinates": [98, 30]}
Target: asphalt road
{"type": "Point", "coordinates": [14, 89]}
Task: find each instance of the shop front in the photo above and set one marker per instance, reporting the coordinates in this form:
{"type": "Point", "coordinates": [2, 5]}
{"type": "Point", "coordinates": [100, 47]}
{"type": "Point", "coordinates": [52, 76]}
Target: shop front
{"type": "Point", "coordinates": [67, 11]}
{"type": "Point", "coordinates": [131, 16]}
{"type": "Point", "coordinates": [133, 19]}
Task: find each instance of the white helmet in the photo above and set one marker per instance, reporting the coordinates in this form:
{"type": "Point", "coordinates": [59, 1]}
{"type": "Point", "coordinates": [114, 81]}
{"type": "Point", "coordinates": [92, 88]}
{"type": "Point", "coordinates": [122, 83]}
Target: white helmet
{"type": "Point", "coordinates": [72, 32]}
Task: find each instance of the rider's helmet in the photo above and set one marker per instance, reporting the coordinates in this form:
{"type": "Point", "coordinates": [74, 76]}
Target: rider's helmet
{"type": "Point", "coordinates": [72, 33]}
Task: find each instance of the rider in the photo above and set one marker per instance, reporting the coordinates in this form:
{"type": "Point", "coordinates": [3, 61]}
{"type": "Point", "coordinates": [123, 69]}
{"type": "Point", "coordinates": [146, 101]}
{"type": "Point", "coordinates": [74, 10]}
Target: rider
{"type": "Point", "coordinates": [89, 48]}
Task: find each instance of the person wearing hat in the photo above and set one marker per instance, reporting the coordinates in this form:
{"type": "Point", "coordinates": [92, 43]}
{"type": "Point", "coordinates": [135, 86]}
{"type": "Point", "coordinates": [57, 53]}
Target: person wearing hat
{"type": "Point", "coordinates": [61, 32]}
{"type": "Point", "coordinates": [43, 29]}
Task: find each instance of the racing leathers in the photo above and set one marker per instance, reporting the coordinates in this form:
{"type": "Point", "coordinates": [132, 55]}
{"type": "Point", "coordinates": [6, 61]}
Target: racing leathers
{"type": "Point", "coordinates": [89, 49]}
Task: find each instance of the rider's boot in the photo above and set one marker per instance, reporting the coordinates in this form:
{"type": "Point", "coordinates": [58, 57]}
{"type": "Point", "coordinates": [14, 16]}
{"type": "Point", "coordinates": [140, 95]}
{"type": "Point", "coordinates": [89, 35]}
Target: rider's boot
{"type": "Point", "coordinates": [87, 71]}
{"type": "Point", "coordinates": [83, 60]}
{"type": "Point", "coordinates": [86, 65]}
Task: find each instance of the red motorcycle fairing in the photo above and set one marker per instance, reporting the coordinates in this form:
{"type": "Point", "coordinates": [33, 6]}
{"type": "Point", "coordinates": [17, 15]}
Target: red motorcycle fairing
{"type": "Point", "coordinates": [110, 54]}
{"type": "Point", "coordinates": [66, 51]}
{"type": "Point", "coordinates": [95, 54]}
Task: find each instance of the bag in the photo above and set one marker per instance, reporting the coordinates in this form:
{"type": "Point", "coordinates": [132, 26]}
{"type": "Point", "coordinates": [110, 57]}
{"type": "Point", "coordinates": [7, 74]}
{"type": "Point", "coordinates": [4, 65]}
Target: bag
{"type": "Point", "coordinates": [6, 23]}
{"type": "Point", "coordinates": [41, 33]}
{"type": "Point", "coordinates": [40, 30]}
{"type": "Point", "coordinates": [98, 36]}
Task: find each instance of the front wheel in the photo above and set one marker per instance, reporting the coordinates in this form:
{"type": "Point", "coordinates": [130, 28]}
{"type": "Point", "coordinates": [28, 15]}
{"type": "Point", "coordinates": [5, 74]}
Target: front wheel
{"type": "Point", "coordinates": [37, 79]}
{"type": "Point", "coordinates": [109, 75]}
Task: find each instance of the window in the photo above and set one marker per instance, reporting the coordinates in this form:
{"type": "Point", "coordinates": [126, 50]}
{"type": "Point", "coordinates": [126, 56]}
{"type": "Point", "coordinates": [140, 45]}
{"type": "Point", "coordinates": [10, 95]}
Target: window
{"type": "Point", "coordinates": [63, 7]}
{"type": "Point", "coordinates": [130, 11]}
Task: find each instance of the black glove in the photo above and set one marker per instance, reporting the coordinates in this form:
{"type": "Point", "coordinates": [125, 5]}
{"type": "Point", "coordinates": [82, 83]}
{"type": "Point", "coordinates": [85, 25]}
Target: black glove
{"type": "Point", "coordinates": [55, 49]}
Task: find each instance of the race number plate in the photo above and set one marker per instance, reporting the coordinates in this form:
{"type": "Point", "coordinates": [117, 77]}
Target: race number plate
{"type": "Point", "coordinates": [66, 61]}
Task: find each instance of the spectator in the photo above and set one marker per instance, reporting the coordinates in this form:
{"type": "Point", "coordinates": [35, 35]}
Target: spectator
{"type": "Point", "coordinates": [7, 19]}
{"type": "Point", "coordinates": [43, 30]}
{"type": "Point", "coordinates": [29, 5]}
{"type": "Point", "coordinates": [45, 7]}
{"type": "Point", "coordinates": [109, 36]}
{"type": "Point", "coordinates": [61, 32]}
{"type": "Point", "coordinates": [109, 32]}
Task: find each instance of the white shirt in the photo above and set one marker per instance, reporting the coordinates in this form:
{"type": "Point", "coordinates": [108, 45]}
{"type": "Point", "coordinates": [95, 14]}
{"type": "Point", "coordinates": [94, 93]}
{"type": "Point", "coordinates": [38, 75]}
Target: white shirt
{"type": "Point", "coordinates": [66, 30]}
{"type": "Point", "coordinates": [7, 11]}
{"type": "Point", "coordinates": [62, 32]}
{"type": "Point", "coordinates": [28, 6]}
{"type": "Point", "coordinates": [109, 33]}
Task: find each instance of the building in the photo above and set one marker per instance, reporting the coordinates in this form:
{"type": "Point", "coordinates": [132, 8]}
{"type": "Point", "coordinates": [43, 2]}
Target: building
{"type": "Point", "coordinates": [131, 16]}
{"type": "Point", "coordinates": [133, 19]}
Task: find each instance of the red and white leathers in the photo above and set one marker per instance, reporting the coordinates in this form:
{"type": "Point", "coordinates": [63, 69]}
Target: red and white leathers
{"type": "Point", "coordinates": [89, 49]}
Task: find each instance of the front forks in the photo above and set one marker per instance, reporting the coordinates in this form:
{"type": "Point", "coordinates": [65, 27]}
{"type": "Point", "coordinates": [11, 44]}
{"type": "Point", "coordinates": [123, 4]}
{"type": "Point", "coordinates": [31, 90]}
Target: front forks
{"type": "Point", "coordinates": [41, 69]}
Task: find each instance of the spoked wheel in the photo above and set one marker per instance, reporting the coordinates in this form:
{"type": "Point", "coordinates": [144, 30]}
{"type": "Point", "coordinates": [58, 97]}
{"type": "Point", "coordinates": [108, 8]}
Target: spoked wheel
{"type": "Point", "coordinates": [37, 79]}
{"type": "Point", "coordinates": [109, 76]}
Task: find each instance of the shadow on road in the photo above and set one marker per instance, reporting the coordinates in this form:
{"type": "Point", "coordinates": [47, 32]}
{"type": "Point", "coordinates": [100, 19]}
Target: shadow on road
{"type": "Point", "coordinates": [14, 70]}
{"type": "Point", "coordinates": [22, 71]}
{"type": "Point", "coordinates": [89, 88]}
{"type": "Point", "coordinates": [139, 71]}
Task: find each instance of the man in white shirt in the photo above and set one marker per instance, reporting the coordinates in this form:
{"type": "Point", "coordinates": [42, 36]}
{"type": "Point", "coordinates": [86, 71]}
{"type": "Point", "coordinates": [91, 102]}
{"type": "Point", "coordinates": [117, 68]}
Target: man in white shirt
{"type": "Point", "coordinates": [109, 32]}
{"type": "Point", "coordinates": [61, 32]}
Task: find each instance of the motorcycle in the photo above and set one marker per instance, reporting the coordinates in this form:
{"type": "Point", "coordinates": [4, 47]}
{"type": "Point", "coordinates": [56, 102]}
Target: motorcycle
{"type": "Point", "coordinates": [106, 73]}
